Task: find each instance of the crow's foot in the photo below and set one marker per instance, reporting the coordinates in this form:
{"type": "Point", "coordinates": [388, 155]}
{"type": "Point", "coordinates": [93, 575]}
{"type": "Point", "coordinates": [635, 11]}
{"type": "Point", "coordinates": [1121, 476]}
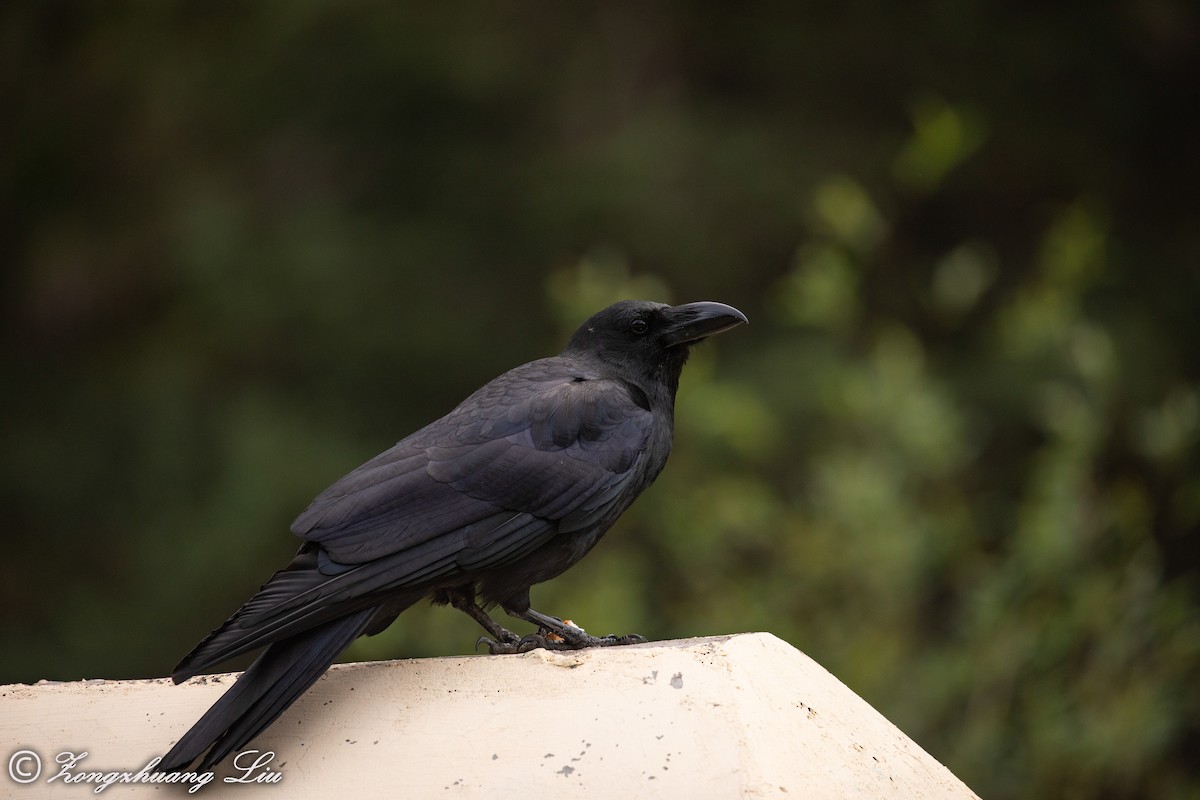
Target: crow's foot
{"type": "Point", "coordinates": [522, 644]}
{"type": "Point", "coordinates": [504, 641]}
{"type": "Point", "coordinates": [613, 640]}
{"type": "Point", "coordinates": [549, 640]}
{"type": "Point", "coordinates": [574, 636]}
{"type": "Point", "coordinates": [557, 634]}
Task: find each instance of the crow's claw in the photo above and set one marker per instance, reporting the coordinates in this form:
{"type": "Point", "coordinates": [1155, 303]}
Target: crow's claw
{"type": "Point", "coordinates": [548, 640]}
{"type": "Point", "coordinates": [577, 639]}
{"type": "Point", "coordinates": [523, 645]}
{"type": "Point", "coordinates": [504, 639]}
{"type": "Point", "coordinates": [612, 640]}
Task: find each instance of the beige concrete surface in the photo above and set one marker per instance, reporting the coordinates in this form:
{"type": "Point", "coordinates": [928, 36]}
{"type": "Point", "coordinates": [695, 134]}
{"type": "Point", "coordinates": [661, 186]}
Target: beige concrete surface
{"type": "Point", "coordinates": [723, 717]}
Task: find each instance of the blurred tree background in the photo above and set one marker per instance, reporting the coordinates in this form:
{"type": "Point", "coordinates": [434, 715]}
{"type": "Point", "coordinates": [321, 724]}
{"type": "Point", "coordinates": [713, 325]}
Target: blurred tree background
{"type": "Point", "coordinates": [954, 457]}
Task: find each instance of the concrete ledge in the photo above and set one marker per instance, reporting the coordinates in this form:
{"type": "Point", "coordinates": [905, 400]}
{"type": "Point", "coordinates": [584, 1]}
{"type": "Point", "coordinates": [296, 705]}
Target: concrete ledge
{"type": "Point", "coordinates": [731, 716]}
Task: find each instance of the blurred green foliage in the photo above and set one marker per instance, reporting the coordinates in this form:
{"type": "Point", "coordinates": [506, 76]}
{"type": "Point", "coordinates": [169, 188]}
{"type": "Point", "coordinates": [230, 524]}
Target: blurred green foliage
{"type": "Point", "coordinates": [954, 457]}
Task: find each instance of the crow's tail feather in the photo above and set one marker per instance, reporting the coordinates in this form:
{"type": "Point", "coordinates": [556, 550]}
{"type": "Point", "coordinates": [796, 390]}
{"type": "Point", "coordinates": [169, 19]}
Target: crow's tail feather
{"type": "Point", "coordinates": [271, 684]}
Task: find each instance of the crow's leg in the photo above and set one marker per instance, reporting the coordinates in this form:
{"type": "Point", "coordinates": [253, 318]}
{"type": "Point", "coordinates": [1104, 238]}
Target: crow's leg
{"type": "Point", "coordinates": [554, 634]}
{"type": "Point", "coordinates": [501, 637]}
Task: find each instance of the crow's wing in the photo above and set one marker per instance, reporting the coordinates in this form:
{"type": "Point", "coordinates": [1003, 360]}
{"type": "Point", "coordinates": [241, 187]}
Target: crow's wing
{"type": "Point", "coordinates": [537, 451]}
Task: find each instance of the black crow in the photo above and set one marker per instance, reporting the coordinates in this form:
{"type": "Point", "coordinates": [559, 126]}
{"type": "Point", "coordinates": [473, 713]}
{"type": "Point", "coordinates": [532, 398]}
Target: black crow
{"type": "Point", "coordinates": [508, 490]}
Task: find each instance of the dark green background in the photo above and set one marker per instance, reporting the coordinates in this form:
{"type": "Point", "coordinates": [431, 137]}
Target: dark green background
{"type": "Point", "coordinates": [953, 457]}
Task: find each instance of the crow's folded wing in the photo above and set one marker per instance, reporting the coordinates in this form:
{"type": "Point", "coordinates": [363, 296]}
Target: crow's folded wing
{"type": "Point", "coordinates": [525, 457]}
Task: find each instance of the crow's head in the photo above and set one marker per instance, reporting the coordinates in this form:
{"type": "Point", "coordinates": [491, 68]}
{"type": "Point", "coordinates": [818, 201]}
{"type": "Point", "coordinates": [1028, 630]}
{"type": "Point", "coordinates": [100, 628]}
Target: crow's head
{"type": "Point", "coordinates": [650, 339]}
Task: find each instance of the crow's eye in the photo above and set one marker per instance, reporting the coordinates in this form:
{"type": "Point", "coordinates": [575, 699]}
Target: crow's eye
{"type": "Point", "coordinates": [638, 326]}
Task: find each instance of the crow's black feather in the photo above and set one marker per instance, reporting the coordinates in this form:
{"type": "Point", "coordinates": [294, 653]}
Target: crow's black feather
{"type": "Point", "coordinates": [509, 489]}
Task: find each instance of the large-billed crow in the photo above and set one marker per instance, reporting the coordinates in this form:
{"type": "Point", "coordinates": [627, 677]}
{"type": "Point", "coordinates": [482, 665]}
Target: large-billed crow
{"type": "Point", "coordinates": [509, 489]}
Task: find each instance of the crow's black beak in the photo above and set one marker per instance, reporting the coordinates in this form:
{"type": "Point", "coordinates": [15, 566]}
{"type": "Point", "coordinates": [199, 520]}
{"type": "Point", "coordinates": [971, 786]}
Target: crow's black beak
{"type": "Point", "coordinates": [694, 321]}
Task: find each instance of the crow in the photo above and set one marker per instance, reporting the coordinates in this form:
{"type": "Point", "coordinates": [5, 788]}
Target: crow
{"type": "Point", "coordinates": [508, 490]}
